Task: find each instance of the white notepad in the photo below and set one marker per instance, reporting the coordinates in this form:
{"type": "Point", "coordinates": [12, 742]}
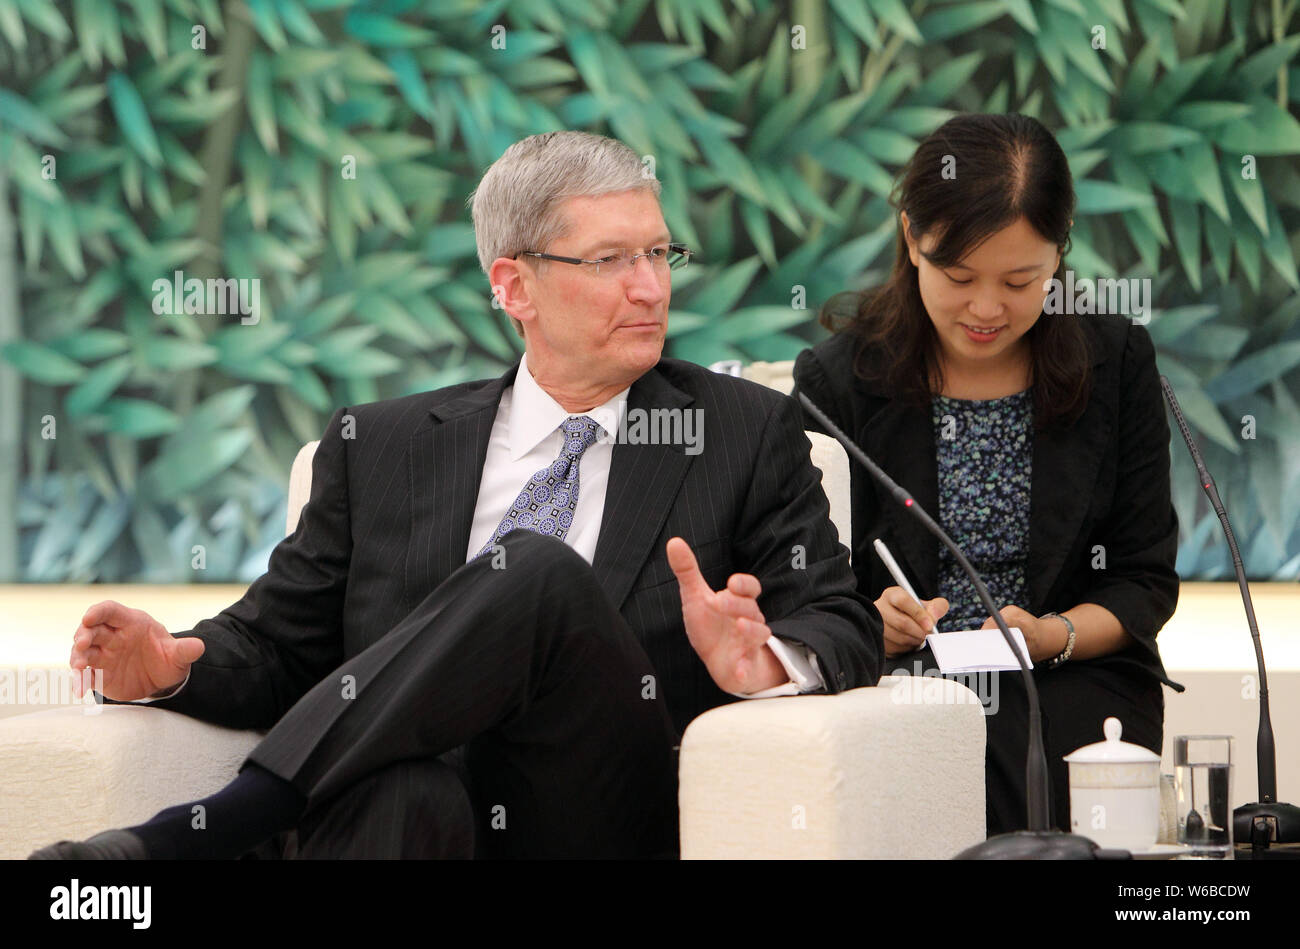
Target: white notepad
{"type": "Point", "coordinates": [976, 650]}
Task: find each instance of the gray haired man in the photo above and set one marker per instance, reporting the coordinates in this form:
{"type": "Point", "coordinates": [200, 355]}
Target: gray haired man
{"type": "Point", "coordinates": [495, 618]}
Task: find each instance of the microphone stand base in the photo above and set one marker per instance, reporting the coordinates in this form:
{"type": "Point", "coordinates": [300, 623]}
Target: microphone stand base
{"type": "Point", "coordinates": [1261, 825]}
{"type": "Point", "coordinates": [1040, 845]}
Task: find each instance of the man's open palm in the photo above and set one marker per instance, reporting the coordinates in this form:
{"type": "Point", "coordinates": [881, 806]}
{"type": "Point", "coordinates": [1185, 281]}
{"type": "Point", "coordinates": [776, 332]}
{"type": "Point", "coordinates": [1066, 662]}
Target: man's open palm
{"type": "Point", "coordinates": [725, 627]}
{"type": "Point", "coordinates": [135, 651]}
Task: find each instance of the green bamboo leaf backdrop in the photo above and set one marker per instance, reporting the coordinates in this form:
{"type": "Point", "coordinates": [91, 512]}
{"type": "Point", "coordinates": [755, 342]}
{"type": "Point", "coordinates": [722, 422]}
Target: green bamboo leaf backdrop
{"type": "Point", "coordinates": [326, 147]}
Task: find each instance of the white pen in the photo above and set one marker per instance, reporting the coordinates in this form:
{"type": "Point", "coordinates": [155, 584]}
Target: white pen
{"type": "Point", "coordinates": [895, 571]}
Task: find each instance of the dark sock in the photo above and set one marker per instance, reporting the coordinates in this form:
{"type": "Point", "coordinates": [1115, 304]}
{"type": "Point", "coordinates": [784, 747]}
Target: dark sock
{"type": "Point", "coordinates": [248, 810]}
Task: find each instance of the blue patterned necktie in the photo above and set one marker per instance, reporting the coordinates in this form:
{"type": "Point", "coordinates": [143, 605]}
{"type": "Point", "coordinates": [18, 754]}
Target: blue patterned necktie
{"type": "Point", "coordinates": [547, 502]}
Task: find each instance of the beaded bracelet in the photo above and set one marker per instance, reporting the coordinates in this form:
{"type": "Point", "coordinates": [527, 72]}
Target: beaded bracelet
{"type": "Point", "coordinates": [1069, 643]}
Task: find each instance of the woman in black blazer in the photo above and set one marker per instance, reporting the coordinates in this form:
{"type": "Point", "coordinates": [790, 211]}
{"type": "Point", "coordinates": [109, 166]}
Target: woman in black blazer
{"type": "Point", "coordinates": [1036, 437]}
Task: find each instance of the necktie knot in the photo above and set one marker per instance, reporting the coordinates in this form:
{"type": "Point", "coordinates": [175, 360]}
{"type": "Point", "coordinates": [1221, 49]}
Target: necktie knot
{"type": "Point", "coordinates": [548, 501]}
{"type": "Point", "coordinates": [580, 433]}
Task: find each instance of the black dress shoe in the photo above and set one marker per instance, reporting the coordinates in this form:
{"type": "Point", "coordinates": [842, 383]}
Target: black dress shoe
{"type": "Point", "coordinates": [109, 845]}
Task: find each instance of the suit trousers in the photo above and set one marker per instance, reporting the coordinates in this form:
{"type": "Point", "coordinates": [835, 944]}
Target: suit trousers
{"type": "Point", "coordinates": [512, 713]}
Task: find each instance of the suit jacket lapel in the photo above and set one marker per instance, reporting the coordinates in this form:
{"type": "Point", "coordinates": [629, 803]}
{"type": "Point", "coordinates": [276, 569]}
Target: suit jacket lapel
{"type": "Point", "coordinates": [643, 481]}
{"type": "Point", "coordinates": [1064, 479]}
{"type": "Point", "coordinates": [900, 439]}
{"type": "Point", "coordinates": [446, 465]}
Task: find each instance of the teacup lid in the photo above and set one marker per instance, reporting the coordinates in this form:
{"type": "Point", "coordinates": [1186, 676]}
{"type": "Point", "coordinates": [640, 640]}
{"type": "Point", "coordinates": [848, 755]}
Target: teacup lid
{"type": "Point", "coordinates": [1112, 749]}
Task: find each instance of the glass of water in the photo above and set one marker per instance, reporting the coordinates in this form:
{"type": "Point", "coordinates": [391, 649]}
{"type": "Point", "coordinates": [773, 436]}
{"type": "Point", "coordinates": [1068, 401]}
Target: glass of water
{"type": "Point", "coordinates": [1203, 788]}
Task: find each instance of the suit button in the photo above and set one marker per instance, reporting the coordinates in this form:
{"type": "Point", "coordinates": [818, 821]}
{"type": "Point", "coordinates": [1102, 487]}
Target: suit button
{"type": "Point", "coordinates": [842, 679]}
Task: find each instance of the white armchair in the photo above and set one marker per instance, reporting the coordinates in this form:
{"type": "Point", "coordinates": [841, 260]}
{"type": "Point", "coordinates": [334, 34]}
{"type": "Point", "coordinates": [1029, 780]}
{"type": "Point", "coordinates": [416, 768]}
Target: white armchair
{"type": "Point", "coordinates": [813, 776]}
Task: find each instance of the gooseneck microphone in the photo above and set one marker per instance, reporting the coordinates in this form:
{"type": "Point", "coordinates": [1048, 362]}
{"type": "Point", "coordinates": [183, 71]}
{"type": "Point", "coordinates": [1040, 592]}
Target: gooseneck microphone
{"type": "Point", "coordinates": [1266, 821]}
{"type": "Point", "coordinates": [1039, 842]}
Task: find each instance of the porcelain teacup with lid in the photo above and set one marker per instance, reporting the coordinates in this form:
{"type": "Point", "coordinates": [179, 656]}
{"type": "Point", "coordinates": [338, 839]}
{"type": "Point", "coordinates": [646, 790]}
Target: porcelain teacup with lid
{"type": "Point", "coordinates": [1115, 791]}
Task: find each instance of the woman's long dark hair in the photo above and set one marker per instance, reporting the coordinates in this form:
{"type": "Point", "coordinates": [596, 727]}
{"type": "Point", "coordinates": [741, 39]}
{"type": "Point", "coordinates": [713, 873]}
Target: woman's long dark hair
{"type": "Point", "coordinates": [1004, 167]}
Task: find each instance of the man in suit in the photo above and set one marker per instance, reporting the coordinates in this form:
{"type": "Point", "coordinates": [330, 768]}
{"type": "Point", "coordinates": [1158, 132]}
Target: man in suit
{"type": "Point", "coordinates": [452, 665]}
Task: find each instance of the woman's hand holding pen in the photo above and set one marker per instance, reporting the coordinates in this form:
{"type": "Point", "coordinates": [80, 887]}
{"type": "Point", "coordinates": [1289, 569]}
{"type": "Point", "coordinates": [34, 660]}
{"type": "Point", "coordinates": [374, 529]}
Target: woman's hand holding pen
{"type": "Point", "coordinates": [907, 622]}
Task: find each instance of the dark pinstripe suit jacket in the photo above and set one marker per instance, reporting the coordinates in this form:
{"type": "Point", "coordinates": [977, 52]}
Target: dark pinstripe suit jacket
{"type": "Point", "coordinates": [389, 519]}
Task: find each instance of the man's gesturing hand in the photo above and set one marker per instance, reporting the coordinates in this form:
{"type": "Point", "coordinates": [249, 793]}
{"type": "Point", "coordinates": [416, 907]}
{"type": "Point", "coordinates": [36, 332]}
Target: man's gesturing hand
{"type": "Point", "coordinates": [139, 657]}
{"type": "Point", "coordinates": [725, 627]}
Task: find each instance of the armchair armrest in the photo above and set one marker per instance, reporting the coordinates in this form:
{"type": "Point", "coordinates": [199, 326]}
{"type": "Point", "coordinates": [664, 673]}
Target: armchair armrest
{"type": "Point", "coordinates": [887, 772]}
{"type": "Point", "coordinates": [68, 773]}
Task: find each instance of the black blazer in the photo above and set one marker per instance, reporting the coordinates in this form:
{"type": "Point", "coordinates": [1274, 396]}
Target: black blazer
{"type": "Point", "coordinates": [389, 520]}
{"type": "Point", "coordinates": [1104, 480]}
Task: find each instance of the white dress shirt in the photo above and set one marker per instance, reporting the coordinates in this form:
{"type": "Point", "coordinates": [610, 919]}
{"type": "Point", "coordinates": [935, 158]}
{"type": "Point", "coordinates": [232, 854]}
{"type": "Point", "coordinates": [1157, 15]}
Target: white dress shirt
{"type": "Point", "coordinates": [525, 439]}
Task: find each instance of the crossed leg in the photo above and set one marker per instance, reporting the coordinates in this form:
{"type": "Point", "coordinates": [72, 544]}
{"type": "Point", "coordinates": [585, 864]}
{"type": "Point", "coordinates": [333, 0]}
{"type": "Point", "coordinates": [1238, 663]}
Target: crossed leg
{"type": "Point", "coordinates": [526, 672]}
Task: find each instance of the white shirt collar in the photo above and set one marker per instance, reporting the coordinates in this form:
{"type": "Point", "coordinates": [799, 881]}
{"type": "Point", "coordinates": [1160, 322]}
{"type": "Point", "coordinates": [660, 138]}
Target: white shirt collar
{"type": "Point", "coordinates": [534, 414]}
